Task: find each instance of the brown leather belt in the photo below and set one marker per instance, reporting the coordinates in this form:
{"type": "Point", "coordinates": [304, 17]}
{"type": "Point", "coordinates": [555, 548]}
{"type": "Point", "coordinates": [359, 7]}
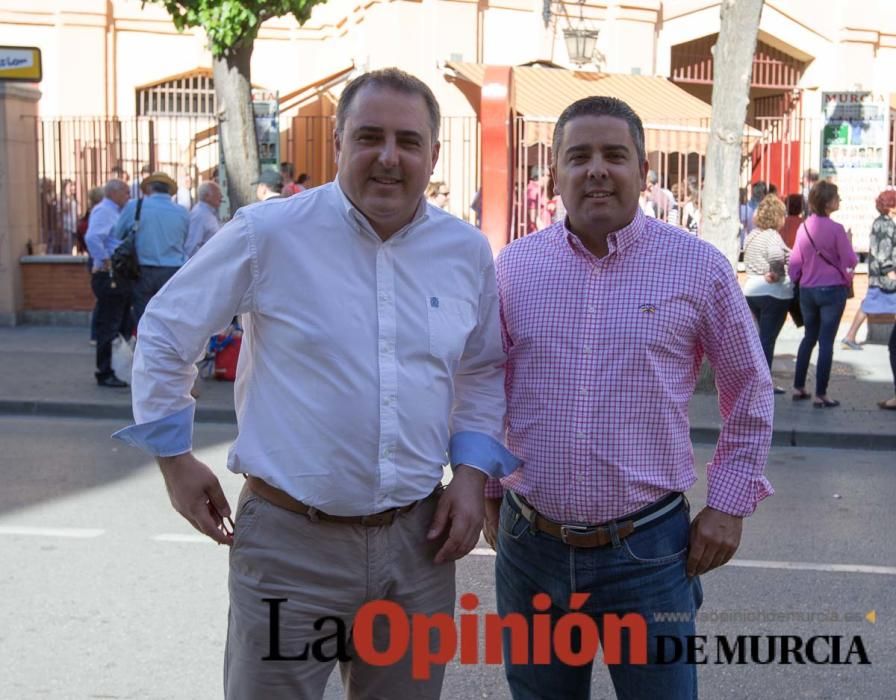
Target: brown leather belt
{"type": "Point", "coordinates": [283, 500]}
{"type": "Point", "coordinates": [590, 536]}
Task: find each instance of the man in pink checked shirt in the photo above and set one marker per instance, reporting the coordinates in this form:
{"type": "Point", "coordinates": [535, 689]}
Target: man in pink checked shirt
{"type": "Point", "coordinates": [606, 318]}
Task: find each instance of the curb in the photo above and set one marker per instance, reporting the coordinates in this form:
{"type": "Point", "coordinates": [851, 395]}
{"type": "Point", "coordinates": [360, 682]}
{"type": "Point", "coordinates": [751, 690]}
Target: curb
{"type": "Point", "coordinates": [701, 435]}
{"type": "Point", "coordinates": [794, 437]}
{"type": "Point", "coordinates": [122, 412]}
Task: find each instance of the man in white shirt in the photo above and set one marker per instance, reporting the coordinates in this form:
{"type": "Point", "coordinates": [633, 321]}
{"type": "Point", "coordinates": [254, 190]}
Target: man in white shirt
{"type": "Point", "coordinates": [204, 222]}
{"type": "Point", "coordinates": [371, 348]}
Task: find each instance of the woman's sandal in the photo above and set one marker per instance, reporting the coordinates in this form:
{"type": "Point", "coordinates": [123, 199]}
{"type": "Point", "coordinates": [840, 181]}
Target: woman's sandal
{"type": "Point", "coordinates": [825, 403]}
{"type": "Point", "coordinates": [888, 405]}
{"type": "Point", "coordinates": [801, 395]}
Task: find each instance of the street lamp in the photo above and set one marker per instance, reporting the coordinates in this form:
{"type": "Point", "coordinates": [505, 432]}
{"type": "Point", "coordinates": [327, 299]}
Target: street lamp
{"type": "Point", "coordinates": [581, 42]}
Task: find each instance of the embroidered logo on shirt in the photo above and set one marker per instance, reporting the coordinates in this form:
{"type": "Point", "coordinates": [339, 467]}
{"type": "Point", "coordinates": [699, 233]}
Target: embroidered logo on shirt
{"type": "Point", "coordinates": [434, 302]}
{"type": "Point", "coordinates": [647, 309]}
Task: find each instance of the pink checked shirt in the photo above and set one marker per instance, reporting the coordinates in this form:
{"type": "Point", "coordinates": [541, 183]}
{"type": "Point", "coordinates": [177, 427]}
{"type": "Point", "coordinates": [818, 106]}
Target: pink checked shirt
{"type": "Point", "coordinates": [603, 356]}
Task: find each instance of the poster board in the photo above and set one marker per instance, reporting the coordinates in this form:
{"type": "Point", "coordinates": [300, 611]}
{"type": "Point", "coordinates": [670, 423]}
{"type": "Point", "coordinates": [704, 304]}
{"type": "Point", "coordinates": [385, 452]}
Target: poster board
{"type": "Point", "coordinates": [854, 155]}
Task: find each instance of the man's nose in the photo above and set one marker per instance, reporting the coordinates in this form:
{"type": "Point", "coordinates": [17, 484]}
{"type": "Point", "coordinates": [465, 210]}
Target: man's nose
{"type": "Point", "coordinates": [597, 168]}
{"type": "Point", "coordinates": [389, 153]}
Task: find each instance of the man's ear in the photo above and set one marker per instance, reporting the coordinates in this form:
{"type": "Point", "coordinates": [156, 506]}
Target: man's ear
{"type": "Point", "coordinates": [645, 166]}
{"type": "Point", "coordinates": [436, 149]}
{"type": "Point", "coordinates": [553, 170]}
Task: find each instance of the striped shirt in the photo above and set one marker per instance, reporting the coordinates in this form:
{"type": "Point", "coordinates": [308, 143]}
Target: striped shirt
{"type": "Point", "coordinates": [603, 356]}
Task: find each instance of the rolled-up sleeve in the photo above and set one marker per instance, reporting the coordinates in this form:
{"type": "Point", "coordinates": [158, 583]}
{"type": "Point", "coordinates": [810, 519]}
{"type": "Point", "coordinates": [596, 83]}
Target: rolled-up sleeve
{"type": "Point", "coordinates": [477, 420]}
{"type": "Point", "coordinates": [197, 302]}
{"type": "Point", "coordinates": [735, 476]}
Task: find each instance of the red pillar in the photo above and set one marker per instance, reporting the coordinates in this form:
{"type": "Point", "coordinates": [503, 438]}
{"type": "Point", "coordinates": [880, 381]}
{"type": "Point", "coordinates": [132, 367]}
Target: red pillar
{"type": "Point", "coordinates": [497, 155]}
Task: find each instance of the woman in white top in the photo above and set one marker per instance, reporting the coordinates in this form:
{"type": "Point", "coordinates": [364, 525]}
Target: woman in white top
{"type": "Point", "coordinates": [767, 288]}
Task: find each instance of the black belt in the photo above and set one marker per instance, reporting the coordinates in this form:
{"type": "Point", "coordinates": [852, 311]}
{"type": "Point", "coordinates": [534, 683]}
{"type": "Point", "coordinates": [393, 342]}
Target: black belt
{"type": "Point", "coordinates": [590, 536]}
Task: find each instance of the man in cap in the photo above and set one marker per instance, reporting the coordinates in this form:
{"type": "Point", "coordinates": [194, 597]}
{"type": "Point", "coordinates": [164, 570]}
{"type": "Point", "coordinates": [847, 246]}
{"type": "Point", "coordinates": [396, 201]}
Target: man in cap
{"type": "Point", "coordinates": [161, 236]}
{"type": "Point", "coordinates": [269, 185]}
{"type": "Point", "coordinates": [371, 349]}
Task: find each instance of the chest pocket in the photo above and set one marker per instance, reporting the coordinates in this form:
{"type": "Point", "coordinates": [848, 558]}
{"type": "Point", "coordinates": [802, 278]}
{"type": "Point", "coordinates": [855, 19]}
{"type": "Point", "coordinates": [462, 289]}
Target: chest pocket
{"type": "Point", "coordinates": [450, 322]}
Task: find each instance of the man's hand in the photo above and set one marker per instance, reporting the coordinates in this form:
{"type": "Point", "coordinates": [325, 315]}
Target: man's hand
{"type": "Point", "coordinates": [196, 494]}
{"type": "Point", "coordinates": [461, 506]}
{"type": "Point", "coordinates": [492, 516]}
{"type": "Point", "coordinates": [715, 537]}
{"type": "Point", "coordinates": [891, 275]}
{"type": "Point", "coordinates": [771, 277]}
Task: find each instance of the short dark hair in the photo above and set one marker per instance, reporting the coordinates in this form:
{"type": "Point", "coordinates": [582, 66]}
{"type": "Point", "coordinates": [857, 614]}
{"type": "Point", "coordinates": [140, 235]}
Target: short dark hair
{"type": "Point", "coordinates": [303, 178]}
{"type": "Point", "coordinates": [794, 205]}
{"type": "Point", "coordinates": [289, 169]}
{"type": "Point", "coordinates": [821, 194]}
{"type": "Point", "coordinates": [600, 106]}
{"type": "Point", "coordinates": [758, 190]}
{"type": "Point", "coordinates": [393, 79]}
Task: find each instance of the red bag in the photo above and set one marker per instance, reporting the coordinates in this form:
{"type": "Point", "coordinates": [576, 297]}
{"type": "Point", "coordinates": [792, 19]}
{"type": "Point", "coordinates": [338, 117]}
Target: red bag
{"type": "Point", "coordinates": [227, 352]}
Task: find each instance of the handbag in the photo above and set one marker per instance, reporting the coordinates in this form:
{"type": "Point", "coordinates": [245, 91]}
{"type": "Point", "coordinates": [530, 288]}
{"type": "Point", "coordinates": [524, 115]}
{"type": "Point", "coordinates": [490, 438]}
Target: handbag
{"type": "Point", "coordinates": [124, 261]}
{"type": "Point", "coordinates": [850, 290]}
{"type": "Point", "coordinates": [796, 313]}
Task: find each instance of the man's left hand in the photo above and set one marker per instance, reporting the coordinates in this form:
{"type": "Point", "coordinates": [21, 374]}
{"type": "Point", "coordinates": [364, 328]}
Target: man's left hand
{"type": "Point", "coordinates": [715, 537]}
{"type": "Point", "coordinates": [460, 511]}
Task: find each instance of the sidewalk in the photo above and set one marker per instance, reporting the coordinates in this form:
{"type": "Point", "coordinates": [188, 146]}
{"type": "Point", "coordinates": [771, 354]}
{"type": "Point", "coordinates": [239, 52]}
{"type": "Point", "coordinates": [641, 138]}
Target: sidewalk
{"type": "Point", "coordinates": [48, 371]}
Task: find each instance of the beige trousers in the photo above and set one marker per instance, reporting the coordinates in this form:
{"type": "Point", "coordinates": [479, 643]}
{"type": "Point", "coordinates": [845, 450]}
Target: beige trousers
{"type": "Point", "coordinates": [326, 570]}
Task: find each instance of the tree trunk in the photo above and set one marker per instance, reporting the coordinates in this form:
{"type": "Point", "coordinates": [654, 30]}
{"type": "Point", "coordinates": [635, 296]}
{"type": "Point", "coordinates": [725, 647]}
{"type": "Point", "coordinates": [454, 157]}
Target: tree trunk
{"type": "Point", "coordinates": [732, 68]}
{"type": "Point", "coordinates": [236, 125]}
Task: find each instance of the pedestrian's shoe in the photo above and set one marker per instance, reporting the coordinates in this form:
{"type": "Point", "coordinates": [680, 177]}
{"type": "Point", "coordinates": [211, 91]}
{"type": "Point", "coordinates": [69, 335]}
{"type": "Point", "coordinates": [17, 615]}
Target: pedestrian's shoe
{"type": "Point", "coordinates": [780, 390]}
{"type": "Point", "coordinates": [850, 344]}
{"type": "Point", "coordinates": [112, 381]}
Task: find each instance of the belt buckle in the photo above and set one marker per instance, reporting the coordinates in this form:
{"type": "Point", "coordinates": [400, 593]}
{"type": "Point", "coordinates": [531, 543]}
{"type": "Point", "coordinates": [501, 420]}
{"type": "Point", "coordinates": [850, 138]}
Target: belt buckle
{"type": "Point", "coordinates": [379, 519]}
{"type": "Point", "coordinates": [566, 530]}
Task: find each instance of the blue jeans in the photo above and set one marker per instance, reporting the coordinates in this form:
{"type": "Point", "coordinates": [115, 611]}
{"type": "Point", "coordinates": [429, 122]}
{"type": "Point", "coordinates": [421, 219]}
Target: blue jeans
{"type": "Point", "coordinates": [770, 314]}
{"type": "Point", "coordinates": [822, 309]}
{"type": "Point", "coordinates": [643, 573]}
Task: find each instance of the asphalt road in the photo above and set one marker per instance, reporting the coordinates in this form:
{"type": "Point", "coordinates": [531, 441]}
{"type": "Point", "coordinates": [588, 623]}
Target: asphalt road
{"type": "Point", "coordinates": [106, 593]}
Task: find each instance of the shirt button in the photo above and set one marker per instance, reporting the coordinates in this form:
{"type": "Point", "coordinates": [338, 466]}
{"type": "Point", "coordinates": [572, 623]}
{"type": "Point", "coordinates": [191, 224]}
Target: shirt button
{"type": "Point", "coordinates": [592, 309]}
{"type": "Point", "coordinates": [580, 435]}
{"type": "Point", "coordinates": [587, 350]}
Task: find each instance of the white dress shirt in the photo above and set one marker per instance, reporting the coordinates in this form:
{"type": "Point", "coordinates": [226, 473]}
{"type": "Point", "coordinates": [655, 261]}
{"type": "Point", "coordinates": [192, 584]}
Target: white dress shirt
{"type": "Point", "coordinates": [361, 359]}
{"type": "Point", "coordinates": [204, 224]}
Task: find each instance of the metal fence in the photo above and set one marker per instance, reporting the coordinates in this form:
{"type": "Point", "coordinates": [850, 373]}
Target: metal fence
{"type": "Point", "coordinates": [776, 150]}
{"type": "Point", "coordinates": [80, 153]}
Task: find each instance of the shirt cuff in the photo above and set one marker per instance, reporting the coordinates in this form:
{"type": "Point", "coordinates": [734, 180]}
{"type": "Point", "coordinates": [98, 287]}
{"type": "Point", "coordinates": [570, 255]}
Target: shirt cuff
{"type": "Point", "coordinates": [165, 437]}
{"type": "Point", "coordinates": [736, 494]}
{"type": "Point", "coordinates": [481, 452]}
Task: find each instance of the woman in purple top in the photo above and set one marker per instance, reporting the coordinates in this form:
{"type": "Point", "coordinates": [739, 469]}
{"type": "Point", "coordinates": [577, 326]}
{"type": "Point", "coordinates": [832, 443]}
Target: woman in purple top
{"type": "Point", "coordinates": [821, 262]}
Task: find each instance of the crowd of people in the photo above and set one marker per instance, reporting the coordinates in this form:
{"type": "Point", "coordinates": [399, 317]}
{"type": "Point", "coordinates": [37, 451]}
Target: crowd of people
{"type": "Point", "coordinates": [169, 227]}
{"type": "Point", "coordinates": [805, 266]}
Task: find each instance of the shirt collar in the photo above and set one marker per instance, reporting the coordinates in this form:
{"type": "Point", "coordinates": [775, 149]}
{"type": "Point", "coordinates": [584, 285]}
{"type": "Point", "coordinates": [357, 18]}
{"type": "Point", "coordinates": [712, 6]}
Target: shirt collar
{"type": "Point", "coordinates": [356, 215]}
{"type": "Point", "coordinates": [110, 203]}
{"type": "Point", "coordinates": [617, 241]}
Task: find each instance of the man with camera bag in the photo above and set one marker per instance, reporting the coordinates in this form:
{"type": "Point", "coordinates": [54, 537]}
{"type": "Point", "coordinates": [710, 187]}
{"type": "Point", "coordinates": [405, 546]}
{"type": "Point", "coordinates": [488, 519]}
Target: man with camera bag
{"type": "Point", "coordinates": [113, 295]}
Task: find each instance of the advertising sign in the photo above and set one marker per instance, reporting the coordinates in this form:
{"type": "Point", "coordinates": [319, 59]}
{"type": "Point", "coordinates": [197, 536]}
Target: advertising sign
{"type": "Point", "coordinates": [853, 154]}
{"type": "Point", "coordinates": [20, 63]}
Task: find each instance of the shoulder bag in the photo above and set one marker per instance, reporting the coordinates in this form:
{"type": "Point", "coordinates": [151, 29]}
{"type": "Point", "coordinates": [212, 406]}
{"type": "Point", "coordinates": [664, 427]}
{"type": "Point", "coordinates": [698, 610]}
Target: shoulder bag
{"type": "Point", "coordinates": [124, 261]}
{"type": "Point", "coordinates": [850, 292]}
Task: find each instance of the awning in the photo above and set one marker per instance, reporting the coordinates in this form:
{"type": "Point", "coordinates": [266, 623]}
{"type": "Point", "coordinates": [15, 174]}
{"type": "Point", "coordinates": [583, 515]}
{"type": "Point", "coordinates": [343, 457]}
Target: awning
{"type": "Point", "coordinates": [674, 120]}
{"type": "Point", "coordinates": [313, 90]}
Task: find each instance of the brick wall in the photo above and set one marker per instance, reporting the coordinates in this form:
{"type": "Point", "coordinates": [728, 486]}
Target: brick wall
{"type": "Point", "coordinates": [52, 284]}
